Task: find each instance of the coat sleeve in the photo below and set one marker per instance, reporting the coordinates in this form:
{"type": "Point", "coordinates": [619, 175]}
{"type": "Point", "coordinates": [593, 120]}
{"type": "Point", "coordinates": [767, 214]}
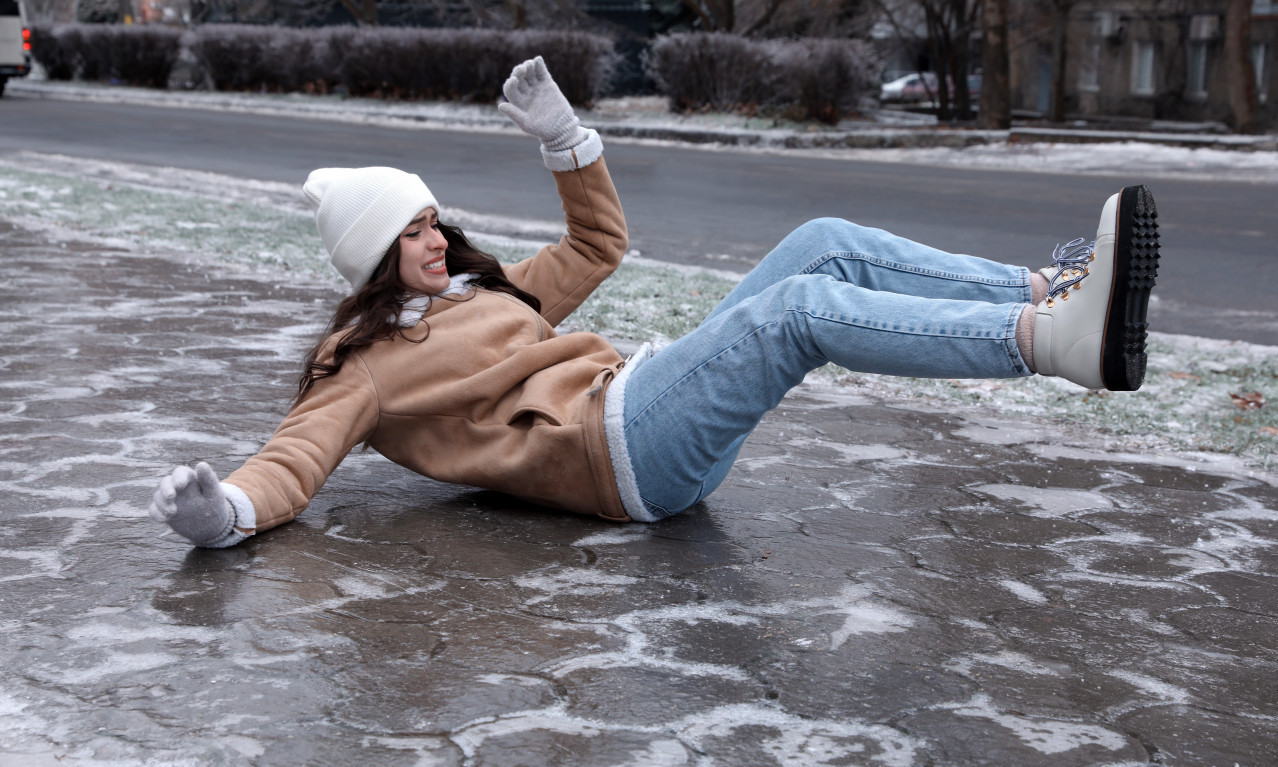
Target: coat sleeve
{"type": "Point", "coordinates": [338, 413]}
{"type": "Point", "coordinates": [563, 275]}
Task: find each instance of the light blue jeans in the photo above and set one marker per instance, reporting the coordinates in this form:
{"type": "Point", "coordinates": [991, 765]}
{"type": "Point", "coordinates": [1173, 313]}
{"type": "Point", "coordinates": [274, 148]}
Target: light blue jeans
{"type": "Point", "coordinates": [832, 291]}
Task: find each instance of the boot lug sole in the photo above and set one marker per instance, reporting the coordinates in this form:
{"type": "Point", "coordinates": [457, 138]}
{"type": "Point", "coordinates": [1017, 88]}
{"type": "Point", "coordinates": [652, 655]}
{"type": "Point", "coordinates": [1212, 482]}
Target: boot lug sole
{"type": "Point", "coordinates": [1123, 356]}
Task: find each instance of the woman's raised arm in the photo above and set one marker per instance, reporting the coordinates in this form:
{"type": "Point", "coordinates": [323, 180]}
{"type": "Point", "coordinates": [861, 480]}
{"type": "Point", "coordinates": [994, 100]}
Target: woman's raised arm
{"type": "Point", "coordinates": [562, 275]}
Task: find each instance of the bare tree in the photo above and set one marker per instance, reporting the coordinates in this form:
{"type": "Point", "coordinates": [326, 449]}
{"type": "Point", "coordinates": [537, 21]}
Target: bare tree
{"type": "Point", "coordinates": [48, 11]}
{"type": "Point", "coordinates": [1060, 53]}
{"type": "Point", "coordinates": [364, 11]}
{"type": "Point", "coordinates": [949, 25]}
{"type": "Point", "coordinates": [821, 18]}
{"type": "Point", "coordinates": [1238, 67]}
{"type": "Point", "coordinates": [996, 89]}
{"type": "Point", "coordinates": [722, 15]}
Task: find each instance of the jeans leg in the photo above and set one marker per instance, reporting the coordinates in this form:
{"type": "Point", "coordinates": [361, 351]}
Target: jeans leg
{"type": "Point", "coordinates": [690, 407]}
{"type": "Point", "coordinates": [879, 260]}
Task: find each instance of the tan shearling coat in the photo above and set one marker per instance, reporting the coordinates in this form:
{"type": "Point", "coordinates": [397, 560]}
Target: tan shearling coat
{"type": "Point", "coordinates": [492, 398]}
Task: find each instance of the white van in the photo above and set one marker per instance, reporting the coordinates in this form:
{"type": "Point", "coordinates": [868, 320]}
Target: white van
{"type": "Point", "coordinates": [15, 42]}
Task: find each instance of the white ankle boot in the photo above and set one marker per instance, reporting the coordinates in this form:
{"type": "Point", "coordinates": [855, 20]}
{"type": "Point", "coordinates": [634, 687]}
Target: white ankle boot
{"type": "Point", "coordinates": [1091, 327]}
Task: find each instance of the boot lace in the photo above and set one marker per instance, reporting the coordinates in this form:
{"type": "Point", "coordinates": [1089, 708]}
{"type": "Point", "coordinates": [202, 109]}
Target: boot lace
{"type": "Point", "coordinates": [1071, 261]}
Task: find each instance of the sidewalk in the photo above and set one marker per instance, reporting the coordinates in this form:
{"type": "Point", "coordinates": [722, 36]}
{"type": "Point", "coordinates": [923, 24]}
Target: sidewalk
{"type": "Point", "coordinates": [641, 118]}
{"type": "Point", "coordinates": [876, 583]}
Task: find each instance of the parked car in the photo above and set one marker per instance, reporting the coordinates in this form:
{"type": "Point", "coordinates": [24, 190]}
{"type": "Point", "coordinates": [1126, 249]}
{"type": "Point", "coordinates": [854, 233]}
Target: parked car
{"type": "Point", "coordinates": [903, 88]}
{"type": "Point", "coordinates": [15, 42]}
{"type": "Point", "coordinates": [924, 87]}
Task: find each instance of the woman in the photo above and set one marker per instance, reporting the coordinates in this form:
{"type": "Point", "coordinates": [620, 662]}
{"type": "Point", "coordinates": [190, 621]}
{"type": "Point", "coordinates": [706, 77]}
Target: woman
{"type": "Point", "coordinates": [448, 364]}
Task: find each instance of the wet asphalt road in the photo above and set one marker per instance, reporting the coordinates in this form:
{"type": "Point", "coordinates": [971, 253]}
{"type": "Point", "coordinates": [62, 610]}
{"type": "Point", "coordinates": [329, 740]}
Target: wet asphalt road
{"type": "Point", "coordinates": [723, 209]}
{"type": "Point", "coordinates": [877, 583]}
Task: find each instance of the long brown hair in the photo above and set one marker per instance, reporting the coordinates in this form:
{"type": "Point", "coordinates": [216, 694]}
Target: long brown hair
{"type": "Point", "coordinates": [363, 317]}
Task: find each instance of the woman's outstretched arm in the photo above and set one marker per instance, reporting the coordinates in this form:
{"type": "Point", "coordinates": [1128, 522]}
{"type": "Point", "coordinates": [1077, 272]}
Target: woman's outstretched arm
{"type": "Point", "coordinates": [277, 484]}
{"type": "Point", "coordinates": [562, 275]}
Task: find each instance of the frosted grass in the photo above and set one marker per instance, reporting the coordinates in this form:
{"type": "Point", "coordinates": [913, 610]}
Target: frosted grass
{"type": "Point", "coordinates": [1184, 405]}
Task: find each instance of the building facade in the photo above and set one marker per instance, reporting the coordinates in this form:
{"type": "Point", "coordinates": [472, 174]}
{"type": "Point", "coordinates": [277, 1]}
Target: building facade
{"type": "Point", "coordinates": [1146, 60]}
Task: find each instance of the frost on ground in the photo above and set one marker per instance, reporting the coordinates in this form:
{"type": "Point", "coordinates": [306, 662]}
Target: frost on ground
{"type": "Point", "coordinates": [1199, 394]}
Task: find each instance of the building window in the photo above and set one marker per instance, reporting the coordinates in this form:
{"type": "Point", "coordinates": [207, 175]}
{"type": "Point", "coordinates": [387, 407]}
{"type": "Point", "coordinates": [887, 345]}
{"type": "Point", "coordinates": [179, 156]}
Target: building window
{"type": "Point", "coordinates": [1196, 76]}
{"type": "Point", "coordinates": [1143, 68]}
{"type": "Point", "coordinates": [1089, 71]}
{"type": "Point", "coordinates": [1258, 51]}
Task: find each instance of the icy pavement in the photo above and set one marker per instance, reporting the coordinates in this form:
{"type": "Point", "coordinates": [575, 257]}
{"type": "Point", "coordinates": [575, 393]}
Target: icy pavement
{"type": "Point", "coordinates": [879, 582]}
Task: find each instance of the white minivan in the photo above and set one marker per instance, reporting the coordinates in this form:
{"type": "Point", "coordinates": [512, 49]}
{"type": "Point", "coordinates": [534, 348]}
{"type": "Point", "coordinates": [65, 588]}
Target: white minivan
{"type": "Point", "coordinates": [15, 42]}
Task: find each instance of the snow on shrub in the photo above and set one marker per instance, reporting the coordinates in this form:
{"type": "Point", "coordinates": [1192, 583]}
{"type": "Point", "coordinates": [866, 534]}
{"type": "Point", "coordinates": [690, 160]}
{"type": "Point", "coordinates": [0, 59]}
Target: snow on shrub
{"type": "Point", "coordinates": [134, 55]}
{"type": "Point", "coordinates": [825, 78]}
{"type": "Point", "coordinates": [403, 63]}
{"type": "Point", "coordinates": [807, 79]}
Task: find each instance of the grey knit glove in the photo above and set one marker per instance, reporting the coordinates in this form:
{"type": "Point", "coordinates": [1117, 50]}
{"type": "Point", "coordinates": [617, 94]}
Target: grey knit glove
{"type": "Point", "coordinates": [193, 504]}
{"type": "Point", "coordinates": [535, 103]}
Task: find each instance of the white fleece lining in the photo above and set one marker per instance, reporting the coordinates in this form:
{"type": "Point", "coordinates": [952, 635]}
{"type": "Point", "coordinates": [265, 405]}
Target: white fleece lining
{"type": "Point", "coordinates": [414, 309]}
{"type": "Point", "coordinates": [573, 158]}
{"type": "Point", "coordinates": [615, 433]}
{"type": "Point", "coordinates": [245, 518]}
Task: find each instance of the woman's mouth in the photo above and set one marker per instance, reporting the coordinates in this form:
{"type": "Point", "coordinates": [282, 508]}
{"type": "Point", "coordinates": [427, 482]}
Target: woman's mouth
{"type": "Point", "coordinates": [438, 265]}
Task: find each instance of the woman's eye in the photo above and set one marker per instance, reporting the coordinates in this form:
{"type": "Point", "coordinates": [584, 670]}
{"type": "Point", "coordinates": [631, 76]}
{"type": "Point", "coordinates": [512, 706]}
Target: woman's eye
{"type": "Point", "coordinates": [411, 235]}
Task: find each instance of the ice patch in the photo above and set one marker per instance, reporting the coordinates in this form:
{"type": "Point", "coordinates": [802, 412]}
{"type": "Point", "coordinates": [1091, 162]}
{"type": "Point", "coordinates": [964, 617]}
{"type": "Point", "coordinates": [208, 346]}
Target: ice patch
{"type": "Point", "coordinates": [43, 563]}
{"type": "Point", "coordinates": [1046, 736]}
{"type": "Point", "coordinates": [989, 432]}
{"type": "Point", "coordinates": [1007, 659]}
{"type": "Point", "coordinates": [1157, 688]}
{"type": "Point", "coordinates": [358, 588]}
{"type": "Point", "coordinates": [787, 739]}
{"type": "Point", "coordinates": [576, 582]}
{"type": "Point", "coordinates": [1050, 501]}
{"type": "Point", "coordinates": [114, 635]}
{"type": "Point", "coordinates": [659, 753]}
{"type": "Point", "coordinates": [853, 453]}
{"type": "Point", "coordinates": [116, 664]}
{"type": "Point", "coordinates": [431, 752]}
{"type": "Point", "coordinates": [1024, 591]}
{"type": "Point", "coordinates": [861, 613]}
{"type": "Point", "coordinates": [799, 742]}
{"type": "Point", "coordinates": [502, 679]}
{"type": "Point", "coordinates": [621, 536]}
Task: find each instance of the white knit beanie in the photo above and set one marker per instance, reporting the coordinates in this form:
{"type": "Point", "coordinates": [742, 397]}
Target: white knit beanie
{"type": "Point", "coordinates": [360, 212]}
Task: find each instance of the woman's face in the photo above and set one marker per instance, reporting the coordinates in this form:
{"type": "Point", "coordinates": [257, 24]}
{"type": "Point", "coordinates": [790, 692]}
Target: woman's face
{"type": "Point", "coordinates": [421, 254]}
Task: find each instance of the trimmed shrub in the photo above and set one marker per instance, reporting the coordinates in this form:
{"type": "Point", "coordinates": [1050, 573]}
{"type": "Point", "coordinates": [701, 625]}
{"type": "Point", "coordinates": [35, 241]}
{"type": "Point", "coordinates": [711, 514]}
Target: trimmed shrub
{"type": "Point", "coordinates": [402, 63]}
{"type": "Point", "coordinates": [717, 71]}
{"type": "Point", "coordinates": [824, 79]}
{"type": "Point", "coordinates": [808, 79]}
{"type": "Point", "coordinates": [143, 55]}
{"type": "Point", "coordinates": [136, 55]}
{"type": "Point", "coordinates": [52, 51]}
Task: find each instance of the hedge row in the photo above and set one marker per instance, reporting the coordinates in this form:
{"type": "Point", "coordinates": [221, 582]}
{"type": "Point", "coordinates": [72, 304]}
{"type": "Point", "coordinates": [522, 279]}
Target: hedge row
{"type": "Point", "coordinates": [134, 55]}
{"type": "Point", "coordinates": [403, 63]}
{"type": "Point", "coordinates": [808, 79]}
